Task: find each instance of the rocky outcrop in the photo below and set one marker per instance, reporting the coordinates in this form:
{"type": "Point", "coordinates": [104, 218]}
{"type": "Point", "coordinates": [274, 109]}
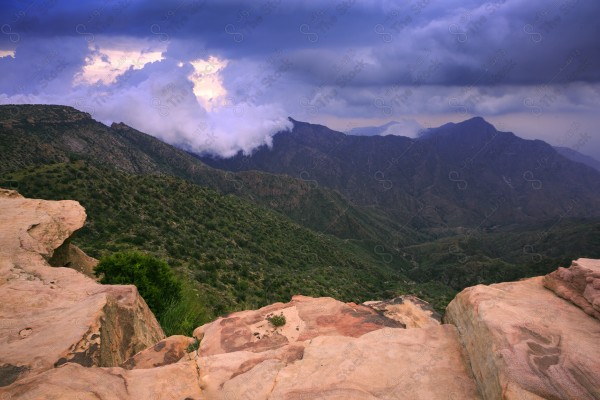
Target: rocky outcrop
{"type": "Point", "coordinates": [63, 335]}
{"type": "Point", "coordinates": [52, 316]}
{"type": "Point", "coordinates": [351, 352]}
{"type": "Point", "coordinates": [306, 318]}
{"type": "Point", "coordinates": [579, 284]}
{"type": "Point", "coordinates": [385, 363]}
{"type": "Point", "coordinates": [524, 342]}
{"type": "Point", "coordinates": [408, 310]}
{"type": "Point", "coordinates": [70, 256]}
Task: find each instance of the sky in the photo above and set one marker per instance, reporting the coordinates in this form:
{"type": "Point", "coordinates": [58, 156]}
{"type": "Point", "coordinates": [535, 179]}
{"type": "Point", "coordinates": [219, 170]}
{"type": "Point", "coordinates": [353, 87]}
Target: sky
{"type": "Point", "coordinates": [224, 76]}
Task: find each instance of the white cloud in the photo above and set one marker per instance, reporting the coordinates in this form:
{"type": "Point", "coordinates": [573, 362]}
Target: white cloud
{"type": "Point", "coordinates": [7, 53]}
{"type": "Point", "coordinates": [110, 59]}
{"type": "Point", "coordinates": [208, 83]}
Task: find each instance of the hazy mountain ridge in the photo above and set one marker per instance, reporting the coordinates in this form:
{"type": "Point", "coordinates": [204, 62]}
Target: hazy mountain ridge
{"type": "Point", "coordinates": [576, 156]}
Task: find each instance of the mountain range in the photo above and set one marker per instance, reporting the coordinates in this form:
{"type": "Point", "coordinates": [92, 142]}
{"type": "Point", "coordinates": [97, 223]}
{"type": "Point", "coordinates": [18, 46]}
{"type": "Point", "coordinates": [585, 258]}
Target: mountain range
{"type": "Point", "coordinates": [458, 175]}
{"type": "Point", "coordinates": [319, 213]}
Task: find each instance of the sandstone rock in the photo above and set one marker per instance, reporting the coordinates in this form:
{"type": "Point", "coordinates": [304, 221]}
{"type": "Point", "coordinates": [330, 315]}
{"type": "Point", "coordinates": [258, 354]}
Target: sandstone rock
{"type": "Point", "coordinates": [217, 370]}
{"type": "Point", "coordinates": [73, 381]}
{"type": "Point", "coordinates": [329, 350]}
{"type": "Point", "coordinates": [408, 310]}
{"type": "Point", "coordinates": [524, 342]}
{"type": "Point", "coordinates": [580, 284]}
{"type": "Point", "coordinates": [165, 352]}
{"type": "Point", "coordinates": [306, 318]}
{"type": "Point", "coordinates": [388, 363]}
{"type": "Point", "coordinates": [50, 316]}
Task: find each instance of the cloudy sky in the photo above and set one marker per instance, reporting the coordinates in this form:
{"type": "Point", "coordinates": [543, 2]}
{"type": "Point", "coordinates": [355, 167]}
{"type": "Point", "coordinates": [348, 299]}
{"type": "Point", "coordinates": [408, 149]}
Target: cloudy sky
{"type": "Point", "coordinates": [223, 76]}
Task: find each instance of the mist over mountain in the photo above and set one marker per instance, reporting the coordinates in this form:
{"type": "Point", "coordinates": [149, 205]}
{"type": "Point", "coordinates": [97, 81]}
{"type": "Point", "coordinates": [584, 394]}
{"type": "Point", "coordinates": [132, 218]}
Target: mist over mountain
{"type": "Point", "coordinates": [404, 127]}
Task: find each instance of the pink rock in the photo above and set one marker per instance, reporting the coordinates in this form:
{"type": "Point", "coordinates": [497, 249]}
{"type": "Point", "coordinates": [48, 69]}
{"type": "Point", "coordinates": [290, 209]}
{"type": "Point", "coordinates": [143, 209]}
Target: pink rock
{"type": "Point", "coordinates": [167, 351]}
{"type": "Point", "coordinates": [524, 342]}
{"type": "Point", "coordinates": [582, 288]}
{"type": "Point", "coordinates": [50, 316]}
{"type": "Point", "coordinates": [306, 318]}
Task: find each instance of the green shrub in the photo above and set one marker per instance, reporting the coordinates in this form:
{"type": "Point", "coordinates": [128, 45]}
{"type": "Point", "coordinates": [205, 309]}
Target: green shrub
{"type": "Point", "coordinates": [153, 278]}
{"type": "Point", "coordinates": [277, 320]}
{"type": "Point", "coordinates": [183, 316]}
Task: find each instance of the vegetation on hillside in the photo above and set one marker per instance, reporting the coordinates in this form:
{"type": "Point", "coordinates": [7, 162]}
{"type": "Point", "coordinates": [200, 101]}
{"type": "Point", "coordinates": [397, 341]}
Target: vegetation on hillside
{"type": "Point", "coordinates": [153, 278]}
{"type": "Point", "coordinates": [230, 254]}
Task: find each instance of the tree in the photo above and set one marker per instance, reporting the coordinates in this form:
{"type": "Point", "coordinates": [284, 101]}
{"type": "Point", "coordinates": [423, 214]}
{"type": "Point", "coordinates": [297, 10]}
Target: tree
{"type": "Point", "coordinates": [153, 278]}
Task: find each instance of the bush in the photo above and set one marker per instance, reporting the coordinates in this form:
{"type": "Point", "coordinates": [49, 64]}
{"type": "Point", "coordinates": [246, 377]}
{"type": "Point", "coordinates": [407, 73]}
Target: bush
{"type": "Point", "coordinates": [277, 320]}
{"type": "Point", "coordinates": [153, 278]}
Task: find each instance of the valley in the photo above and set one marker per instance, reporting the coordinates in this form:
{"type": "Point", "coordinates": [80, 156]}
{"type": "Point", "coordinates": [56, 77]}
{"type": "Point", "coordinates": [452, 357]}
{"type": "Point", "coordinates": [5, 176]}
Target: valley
{"type": "Point", "coordinates": [260, 230]}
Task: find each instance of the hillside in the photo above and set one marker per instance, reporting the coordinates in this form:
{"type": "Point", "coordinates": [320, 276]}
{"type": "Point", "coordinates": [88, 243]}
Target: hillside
{"type": "Point", "coordinates": [235, 254]}
{"type": "Point", "coordinates": [576, 156]}
{"type": "Point", "coordinates": [41, 134]}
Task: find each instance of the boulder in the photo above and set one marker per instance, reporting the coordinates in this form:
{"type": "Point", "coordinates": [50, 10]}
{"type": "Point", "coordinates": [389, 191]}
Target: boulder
{"type": "Point", "coordinates": [579, 284]}
{"type": "Point", "coordinates": [524, 342]}
{"type": "Point", "coordinates": [50, 316]}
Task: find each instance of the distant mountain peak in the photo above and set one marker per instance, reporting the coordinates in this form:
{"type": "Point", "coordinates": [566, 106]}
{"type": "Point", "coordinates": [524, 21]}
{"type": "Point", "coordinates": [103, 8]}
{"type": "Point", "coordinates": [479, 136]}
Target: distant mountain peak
{"type": "Point", "coordinates": [404, 127]}
{"type": "Point", "coordinates": [476, 121]}
{"type": "Point", "coordinates": [472, 126]}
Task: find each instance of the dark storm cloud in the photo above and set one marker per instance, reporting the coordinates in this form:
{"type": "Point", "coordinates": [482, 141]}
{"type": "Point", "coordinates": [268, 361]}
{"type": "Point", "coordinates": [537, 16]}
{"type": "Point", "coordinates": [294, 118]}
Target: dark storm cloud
{"type": "Point", "coordinates": [309, 58]}
{"type": "Point", "coordinates": [536, 37]}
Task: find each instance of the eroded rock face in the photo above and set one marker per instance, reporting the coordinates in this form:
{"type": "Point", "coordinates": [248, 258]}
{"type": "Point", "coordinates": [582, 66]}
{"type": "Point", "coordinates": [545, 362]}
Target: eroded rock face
{"type": "Point", "coordinates": [71, 256]}
{"type": "Point", "coordinates": [408, 310]}
{"type": "Point", "coordinates": [579, 284]}
{"type": "Point", "coordinates": [50, 316]}
{"type": "Point", "coordinates": [524, 342]}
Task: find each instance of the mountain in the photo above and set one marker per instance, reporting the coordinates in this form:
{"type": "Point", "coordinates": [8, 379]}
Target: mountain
{"type": "Point", "coordinates": [44, 134]}
{"type": "Point", "coordinates": [576, 156]}
{"type": "Point", "coordinates": [458, 175]}
{"type": "Point", "coordinates": [370, 130]}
